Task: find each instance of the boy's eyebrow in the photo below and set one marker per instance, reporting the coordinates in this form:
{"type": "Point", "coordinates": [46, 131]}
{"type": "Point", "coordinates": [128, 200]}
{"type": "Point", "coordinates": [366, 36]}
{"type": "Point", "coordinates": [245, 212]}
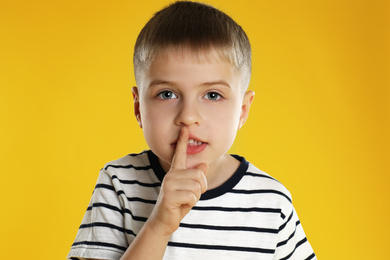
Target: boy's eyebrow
{"type": "Point", "coordinates": [161, 82]}
{"type": "Point", "coordinates": [218, 82]}
{"type": "Point", "coordinates": [206, 84]}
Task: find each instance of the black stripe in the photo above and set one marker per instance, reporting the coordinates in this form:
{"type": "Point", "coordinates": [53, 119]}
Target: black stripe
{"type": "Point", "coordinates": [130, 166]}
{"type": "Point", "coordinates": [254, 209]}
{"type": "Point", "coordinates": [291, 236]}
{"type": "Point", "coordinates": [285, 224]}
{"type": "Point", "coordinates": [261, 192]}
{"type": "Point", "coordinates": [136, 154]}
{"type": "Point", "coordinates": [310, 256]}
{"type": "Point", "coordinates": [141, 200]}
{"type": "Point", "coordinates": [103, 205]}
{"type": "Point", "coordinates": [104, 186]}
{"type": "Point", "coordinates": [225, 248]}
{"type": "Point", "coordinates": [119, 192]}
{"type": "Point", "coordinates": [296, 246]}
{"type": "Point", "coordinates": [260, 175]}
{"type": "Point", "coordinates": [122, 211]}
{"type": "Point", "coordinates": [229, 228]}
{"type": "Point", "coordinates": [136, 218]}
{"type": "Point", "coordinates": [136, 198]}
{"type": "Point", "coordinates": [136, 182]}
{"type": "Point", "coordinates": [107, 225]}
{"type": "Point", "coordinates": [90, 243]}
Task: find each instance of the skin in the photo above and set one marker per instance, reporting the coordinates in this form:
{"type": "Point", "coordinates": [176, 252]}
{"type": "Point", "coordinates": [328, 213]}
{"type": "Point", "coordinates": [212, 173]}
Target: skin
{"type": "Point", "coordinates": [206, 97]}
{"type": "Point", "coordinates": [183, 97]}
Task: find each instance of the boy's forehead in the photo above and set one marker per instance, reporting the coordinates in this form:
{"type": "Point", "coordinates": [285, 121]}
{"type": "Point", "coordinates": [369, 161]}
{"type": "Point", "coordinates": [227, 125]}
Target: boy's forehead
{"type": "Point", "coordinates": [196, 55]}
{"type": "Point", "coordinates": [177, 66]}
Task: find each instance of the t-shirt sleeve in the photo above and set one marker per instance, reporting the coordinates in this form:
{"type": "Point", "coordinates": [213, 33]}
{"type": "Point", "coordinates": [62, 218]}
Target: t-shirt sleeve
{"type": "Point", "coordinates": [102, 233]}
{"type": "Point", "coordinates": [292, 243]}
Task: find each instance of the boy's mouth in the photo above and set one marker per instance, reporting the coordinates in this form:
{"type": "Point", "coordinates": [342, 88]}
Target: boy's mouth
{"type": "Point", "coordinates": [193, 142]}
{"type": "Point", "coordinates": [193, 145]}
{"type": "Point", "coordinates": [190, 142]}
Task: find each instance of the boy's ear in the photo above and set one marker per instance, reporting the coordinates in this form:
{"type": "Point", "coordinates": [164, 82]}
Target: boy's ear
{"type": "Point", "coordinates": [246, 104]}
{"type": "Point", "coordinates": [137, 112]}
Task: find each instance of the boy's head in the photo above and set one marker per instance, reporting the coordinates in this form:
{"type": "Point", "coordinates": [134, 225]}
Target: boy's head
{"type": "Point", "coordinates": [192, 66]}
{"type": "Point", "coordinates": [196, 27]}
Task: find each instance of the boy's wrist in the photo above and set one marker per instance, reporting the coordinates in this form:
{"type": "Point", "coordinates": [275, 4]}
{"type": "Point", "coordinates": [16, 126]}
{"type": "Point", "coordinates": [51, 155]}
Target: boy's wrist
{"type": "Point", "coordinates": [152, 227]}
{"type": "Point", "coordinates": [149, 244]}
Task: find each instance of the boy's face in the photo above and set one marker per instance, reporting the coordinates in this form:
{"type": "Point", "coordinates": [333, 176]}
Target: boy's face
{"type": "Point", "coordinates": [181, 89]}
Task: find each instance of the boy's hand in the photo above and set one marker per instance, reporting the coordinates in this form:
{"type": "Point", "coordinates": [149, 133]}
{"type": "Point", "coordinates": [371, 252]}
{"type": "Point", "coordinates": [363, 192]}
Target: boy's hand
{"type": "Point", "coordinates": [180, 190]}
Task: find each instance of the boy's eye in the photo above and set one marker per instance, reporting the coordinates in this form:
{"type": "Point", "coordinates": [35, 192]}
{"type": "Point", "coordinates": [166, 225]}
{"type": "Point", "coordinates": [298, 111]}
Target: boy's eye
{"type": "Point", "coordinates": [167, 95]}
{"type": "Point", "coordinates": [213, 96]}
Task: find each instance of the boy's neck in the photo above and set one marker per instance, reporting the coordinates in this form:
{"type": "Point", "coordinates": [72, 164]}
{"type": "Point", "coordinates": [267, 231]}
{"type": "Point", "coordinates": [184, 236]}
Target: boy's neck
{"type": "Point", "coordinates": [218, 172]}
{"type": "Point", "coordinates": [221, 170]}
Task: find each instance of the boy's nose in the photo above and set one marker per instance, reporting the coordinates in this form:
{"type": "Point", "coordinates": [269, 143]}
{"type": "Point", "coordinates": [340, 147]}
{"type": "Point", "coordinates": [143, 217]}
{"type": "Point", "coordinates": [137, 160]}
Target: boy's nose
{"type": "Point", "coordinates": [188, 114]}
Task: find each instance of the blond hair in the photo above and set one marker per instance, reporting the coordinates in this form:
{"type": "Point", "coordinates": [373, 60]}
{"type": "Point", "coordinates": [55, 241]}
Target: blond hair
{"type": "Point", "coordinates": [198, 27]}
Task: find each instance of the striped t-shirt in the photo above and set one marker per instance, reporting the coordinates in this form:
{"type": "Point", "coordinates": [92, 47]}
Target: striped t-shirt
{"type": "Point", "coordinates": [250, 216]}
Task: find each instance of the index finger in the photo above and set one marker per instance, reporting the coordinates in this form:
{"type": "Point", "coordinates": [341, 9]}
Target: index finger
{"type": "Point", "coordinates": [180, 157]}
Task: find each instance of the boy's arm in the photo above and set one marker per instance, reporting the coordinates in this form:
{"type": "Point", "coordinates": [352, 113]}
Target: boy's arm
{"type": "Point", "coordinates": [180, 191]}
{"type": "Point", "coordinates": [293, 243]}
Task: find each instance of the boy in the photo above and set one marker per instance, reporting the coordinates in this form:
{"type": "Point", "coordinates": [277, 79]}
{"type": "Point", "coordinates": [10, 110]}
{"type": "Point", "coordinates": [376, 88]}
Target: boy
{"type": "Point", "coordinates": [186, 198]}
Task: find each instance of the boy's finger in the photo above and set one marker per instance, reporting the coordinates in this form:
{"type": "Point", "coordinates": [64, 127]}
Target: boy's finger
{"type": "Point", "coordinates": [180, 157]}
{"type": "Point", "coordinates": [204, 168]}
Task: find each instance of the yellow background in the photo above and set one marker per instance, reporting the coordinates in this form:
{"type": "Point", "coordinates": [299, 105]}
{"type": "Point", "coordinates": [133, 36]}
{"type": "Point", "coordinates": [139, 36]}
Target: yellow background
{"type": "Point", "coordinates": [319, 122]}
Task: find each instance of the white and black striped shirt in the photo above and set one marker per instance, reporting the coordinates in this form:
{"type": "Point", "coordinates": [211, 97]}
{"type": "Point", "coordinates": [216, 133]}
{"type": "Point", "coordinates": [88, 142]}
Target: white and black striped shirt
{"type": "Point", "coordinates": [250, 216]}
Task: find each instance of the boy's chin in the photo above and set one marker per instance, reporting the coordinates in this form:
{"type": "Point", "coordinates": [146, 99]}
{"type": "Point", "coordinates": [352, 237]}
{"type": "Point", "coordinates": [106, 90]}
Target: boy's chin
{"type": "Point", "coordinates": [192, 162]}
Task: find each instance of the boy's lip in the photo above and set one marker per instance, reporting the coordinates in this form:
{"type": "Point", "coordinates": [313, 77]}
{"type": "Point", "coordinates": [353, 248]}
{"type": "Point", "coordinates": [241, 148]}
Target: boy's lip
{"type": "Point", "coordinates": [195, 138]}
{"type": "Point", "coordinates": [191, 136]}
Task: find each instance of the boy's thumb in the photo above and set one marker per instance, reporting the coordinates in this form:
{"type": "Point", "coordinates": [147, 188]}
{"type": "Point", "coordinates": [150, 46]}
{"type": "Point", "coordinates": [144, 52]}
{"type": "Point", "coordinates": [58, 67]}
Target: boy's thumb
{"type": "Point", "coordinates": [203, 167]}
